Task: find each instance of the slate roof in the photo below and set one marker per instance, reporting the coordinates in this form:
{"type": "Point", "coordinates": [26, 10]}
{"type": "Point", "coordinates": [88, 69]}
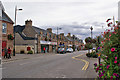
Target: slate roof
{"type": "Point", "coordinates": [19, 29]}
{"type": "Point", "coordinates": [6, 18]}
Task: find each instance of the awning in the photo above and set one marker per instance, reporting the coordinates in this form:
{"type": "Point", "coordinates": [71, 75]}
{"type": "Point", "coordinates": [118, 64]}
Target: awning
{"type": "Point", "coordinates": [48, 42]}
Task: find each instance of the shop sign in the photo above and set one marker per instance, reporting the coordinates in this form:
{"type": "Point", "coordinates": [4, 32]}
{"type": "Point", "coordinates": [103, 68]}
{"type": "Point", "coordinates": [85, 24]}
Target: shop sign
{"type": "Point", "coordinates": [48, 42]}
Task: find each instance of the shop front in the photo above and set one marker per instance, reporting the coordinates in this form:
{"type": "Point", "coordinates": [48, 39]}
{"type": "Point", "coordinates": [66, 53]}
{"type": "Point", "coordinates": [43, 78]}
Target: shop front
{"type": "Point", "coordinates": [47, 45]}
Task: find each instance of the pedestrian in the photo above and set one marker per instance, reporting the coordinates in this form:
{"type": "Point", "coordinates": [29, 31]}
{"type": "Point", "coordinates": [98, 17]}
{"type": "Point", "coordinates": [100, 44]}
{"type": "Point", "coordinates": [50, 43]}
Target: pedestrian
{"type": "Point", "coordinates": [44, 49]}
{"type": "Point", "coordinates": [9, 52]}
{"type": "Point", "coordinates": [6, 53]}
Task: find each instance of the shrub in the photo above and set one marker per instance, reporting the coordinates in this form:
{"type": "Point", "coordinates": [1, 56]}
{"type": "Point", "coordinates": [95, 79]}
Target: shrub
{"type": "Point", "coordinates": [30, 52]}
{"type": "Point", "coordinates": [110, 53]}
{"type": "Point", "coordinates": [92, 54]}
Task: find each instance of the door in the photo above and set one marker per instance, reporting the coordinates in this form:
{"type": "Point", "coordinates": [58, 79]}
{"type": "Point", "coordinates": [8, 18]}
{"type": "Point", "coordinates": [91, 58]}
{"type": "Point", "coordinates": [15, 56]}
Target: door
{"type": "Point", "coordinates": [4, 45]}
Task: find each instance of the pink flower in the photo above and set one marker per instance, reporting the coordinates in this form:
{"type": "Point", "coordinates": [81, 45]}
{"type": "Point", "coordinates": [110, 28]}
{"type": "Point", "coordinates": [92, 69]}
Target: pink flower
{"type": "Point", "coordinates": [119, 64]}
{"type": "Point", "coordinates": [110, 35]}
{"type": "Point", "coordinates": [108, 30]}
{"type": "Point", "coordinates": [115, 61]}
{"type": "Point", "coordinates": [111, 77]}
{"type": "Point", "coordinates": [112, 49]}
{"type": "Point", "coordinates": [108, 66]}
{"type": "Point", "coordinates": [113, 32]}
{"type": "Point", "coordinates": [115, 57]}
{"type": "Point", "coordinates": [100, 64]}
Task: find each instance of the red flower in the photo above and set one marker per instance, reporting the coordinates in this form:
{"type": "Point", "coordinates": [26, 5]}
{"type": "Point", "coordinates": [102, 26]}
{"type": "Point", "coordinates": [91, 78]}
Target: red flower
{"type": "Point", "coordinates": [115, 61]}
{"type": "Point", "coordinates": [111, 77]}
{"type": "Point", "coordinates": [108, 66]}
{"type": "Point", "coordinates": [112, 49]}
{"type": "Point", "coordinates": [115, 57]}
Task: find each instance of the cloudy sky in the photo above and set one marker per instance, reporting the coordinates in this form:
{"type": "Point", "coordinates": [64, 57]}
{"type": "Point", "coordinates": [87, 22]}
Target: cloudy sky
{"type": "Point", "coordinates": [74, 16]}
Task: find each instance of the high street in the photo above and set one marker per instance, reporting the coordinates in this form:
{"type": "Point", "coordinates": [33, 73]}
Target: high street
{"type": "Point", "coordinates": [50, 65]}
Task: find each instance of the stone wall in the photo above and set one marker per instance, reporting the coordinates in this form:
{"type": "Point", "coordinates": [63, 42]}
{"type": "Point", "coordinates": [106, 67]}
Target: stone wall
{"type": "Point", "coordinates": [20, 48]}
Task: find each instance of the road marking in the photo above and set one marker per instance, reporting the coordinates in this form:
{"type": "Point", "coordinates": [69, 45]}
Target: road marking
{"type": "Point", "coordinates": [86, 62]}
{"type": "Point", "coordinates": [25, 63]}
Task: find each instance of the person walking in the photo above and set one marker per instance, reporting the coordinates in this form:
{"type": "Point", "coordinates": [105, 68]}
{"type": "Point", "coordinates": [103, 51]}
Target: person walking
{"type": "Point", "coordinates": [44, 49]}
{"type": "Point", "coordinates": [9, 52]}
{"type": "Point", "coordinates": [6, 53]}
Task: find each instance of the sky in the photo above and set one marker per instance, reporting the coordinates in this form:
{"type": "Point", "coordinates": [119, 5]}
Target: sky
{"type": "Point", "coordinates": [73, 16]}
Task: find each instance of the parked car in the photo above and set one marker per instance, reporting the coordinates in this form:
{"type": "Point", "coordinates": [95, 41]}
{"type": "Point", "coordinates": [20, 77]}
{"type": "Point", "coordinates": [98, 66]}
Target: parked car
{"type": "Point", "coordinates": [69, 50]}
{"type": "Point", "coordinates": [61, 50]}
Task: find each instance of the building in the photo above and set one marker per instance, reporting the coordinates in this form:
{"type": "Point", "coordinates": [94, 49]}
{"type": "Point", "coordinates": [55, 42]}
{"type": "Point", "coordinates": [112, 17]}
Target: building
{"type": "Point", "coordinates": [29, 36]}
{"type": "Point", "coordinates": [7, 32]}
{"type": "Point", "coordinates": [35, 38]}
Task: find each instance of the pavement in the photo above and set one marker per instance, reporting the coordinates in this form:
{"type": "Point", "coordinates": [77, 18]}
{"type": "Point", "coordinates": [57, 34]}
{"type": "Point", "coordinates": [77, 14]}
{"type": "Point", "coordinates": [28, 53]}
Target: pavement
{"type": "Point", "coordinates": [49, 66]}
{"type": "Point", "coordinates": [23, 56]}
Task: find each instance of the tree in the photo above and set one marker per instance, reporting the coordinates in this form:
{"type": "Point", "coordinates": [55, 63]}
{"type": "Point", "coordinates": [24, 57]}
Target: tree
{"type": "Point", "coordinates": [88, 46]}
{"type": "Point", "coordinates": [88, 40]}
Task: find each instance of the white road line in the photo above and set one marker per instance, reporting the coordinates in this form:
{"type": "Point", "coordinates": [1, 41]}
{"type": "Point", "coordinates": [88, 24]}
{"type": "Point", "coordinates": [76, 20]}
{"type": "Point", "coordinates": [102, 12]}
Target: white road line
{"type": "Point", "coordinates": [25, 63]}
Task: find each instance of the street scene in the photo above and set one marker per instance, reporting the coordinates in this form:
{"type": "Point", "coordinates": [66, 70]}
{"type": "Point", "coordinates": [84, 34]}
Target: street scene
{"type": "Point", "coordinates": [50, 39]}
{"type": "Point", "coordinates": [50, 66]}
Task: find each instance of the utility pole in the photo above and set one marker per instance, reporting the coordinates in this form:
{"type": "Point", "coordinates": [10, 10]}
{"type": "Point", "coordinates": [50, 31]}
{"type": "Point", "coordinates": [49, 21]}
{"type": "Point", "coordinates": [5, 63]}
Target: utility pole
{"type": "Point", "coordinates": [57, 35]}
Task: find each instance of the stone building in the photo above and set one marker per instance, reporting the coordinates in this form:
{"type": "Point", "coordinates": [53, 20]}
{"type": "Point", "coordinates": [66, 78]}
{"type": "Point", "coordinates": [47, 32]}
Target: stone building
{"type": "Point", "coordinates": [7, 32]}
{"type": "Point", "coordinates": [37, 39]}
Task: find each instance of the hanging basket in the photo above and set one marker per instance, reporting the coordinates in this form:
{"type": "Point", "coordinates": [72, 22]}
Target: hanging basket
{"type": "Point", "coordinates": [10, 37]}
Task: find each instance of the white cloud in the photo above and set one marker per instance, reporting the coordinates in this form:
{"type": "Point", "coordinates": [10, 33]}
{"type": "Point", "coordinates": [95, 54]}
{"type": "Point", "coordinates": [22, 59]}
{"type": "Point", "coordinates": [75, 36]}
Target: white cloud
{"type": "Point", "coordinates": [83, 13]}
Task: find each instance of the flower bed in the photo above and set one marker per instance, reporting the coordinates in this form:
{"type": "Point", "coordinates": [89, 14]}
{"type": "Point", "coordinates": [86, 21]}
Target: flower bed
{"type": "Point", "coordinates": [110, 53]}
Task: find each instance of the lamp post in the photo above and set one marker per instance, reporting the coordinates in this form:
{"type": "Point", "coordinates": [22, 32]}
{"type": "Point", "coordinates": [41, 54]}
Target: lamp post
{"type": "Point", "coordinates": [14, 27]}
{"type": "Point", "coordinates": [73, 42]}
{"type": "Point", "coordinates": [91, 28]}
{"type": "Point", "coordinates": [57, 35]}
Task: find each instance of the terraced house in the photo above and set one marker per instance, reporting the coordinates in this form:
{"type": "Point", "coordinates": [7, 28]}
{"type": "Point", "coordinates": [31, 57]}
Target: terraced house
{"type": "Point", "coordinates": [29, 37]}
{"type": "Point", "coordinates": [7, 32]}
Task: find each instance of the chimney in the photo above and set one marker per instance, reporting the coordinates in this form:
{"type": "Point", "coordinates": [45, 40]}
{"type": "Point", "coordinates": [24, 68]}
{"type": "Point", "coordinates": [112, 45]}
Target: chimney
{"type": "Point", "coordinates": [69, 35]}
{"type": "Point", "coordinates": [49, 29]}
{"type": "Point", "coordinates": [28, 23]}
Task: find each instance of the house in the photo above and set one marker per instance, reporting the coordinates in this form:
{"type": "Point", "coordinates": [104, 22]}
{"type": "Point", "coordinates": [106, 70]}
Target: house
{"type": "Point", "coordinates": [29, 36]}
{"type": "Point", "coordinates": [7, 31]}
{"type": "Point", "coordinates": [34, 38]}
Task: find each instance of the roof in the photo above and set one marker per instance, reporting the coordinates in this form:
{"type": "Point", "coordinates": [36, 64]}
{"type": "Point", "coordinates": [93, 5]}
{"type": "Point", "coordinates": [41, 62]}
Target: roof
{"type": "Point", "coordinates": [6, 18]}
{"type": "Point", "coordinates": [38, 30]}
{"type": "Point", "coordinates": [69, 39]}
{"type": "Point", "coordinates": [1, 6]}
{"type": "Point", "coordinates": [19, 29]}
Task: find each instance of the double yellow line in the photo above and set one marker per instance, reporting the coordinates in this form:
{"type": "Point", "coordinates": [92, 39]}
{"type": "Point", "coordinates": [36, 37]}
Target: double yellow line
{"type": "Point", "coordinates": [86, 62]}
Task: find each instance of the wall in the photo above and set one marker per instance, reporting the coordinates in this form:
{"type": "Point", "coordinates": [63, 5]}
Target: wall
{"type": "Point", "coordinates": [0, 29]}
{"type": "Point", "coordinates": [9, 31]}
{"type": "Point", "coordinates": [19, 48]}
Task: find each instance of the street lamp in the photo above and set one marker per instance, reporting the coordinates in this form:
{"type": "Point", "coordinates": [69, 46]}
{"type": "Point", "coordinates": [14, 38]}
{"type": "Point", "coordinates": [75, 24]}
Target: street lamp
{"type": "Point", "coordinates": [14, 27]}
{"type": "Point", "coordinates": [57, 35]}
{"type": "Point", "coordinates": [91, 28]}
{"type": "Point", "coordinates": [73, 42]}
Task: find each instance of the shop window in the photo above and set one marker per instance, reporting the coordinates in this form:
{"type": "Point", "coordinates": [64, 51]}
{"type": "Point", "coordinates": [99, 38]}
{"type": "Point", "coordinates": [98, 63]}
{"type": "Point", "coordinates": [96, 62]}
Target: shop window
{"type": "Point", "coordinates": [4, 28]}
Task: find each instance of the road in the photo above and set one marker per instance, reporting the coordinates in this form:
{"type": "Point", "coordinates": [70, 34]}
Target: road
{"type": "Point", "coordinates": [51, 66]}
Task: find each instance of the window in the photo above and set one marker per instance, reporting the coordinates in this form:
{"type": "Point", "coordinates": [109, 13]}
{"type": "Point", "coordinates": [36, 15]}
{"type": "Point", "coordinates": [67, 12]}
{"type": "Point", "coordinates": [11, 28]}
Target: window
{"type": "Point", "coordinates": [4, 28]}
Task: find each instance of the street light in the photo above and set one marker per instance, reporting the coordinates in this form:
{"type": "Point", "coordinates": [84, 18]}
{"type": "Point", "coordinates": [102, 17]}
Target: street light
{"type": "Point", "coordinates": [14, 28]}
{"type": "Point", "coordinates": [73, 42]}
{"type": "Point", "coordinates": [91, 28]}
{"type": "Point", "coordinates": [57, 35]}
